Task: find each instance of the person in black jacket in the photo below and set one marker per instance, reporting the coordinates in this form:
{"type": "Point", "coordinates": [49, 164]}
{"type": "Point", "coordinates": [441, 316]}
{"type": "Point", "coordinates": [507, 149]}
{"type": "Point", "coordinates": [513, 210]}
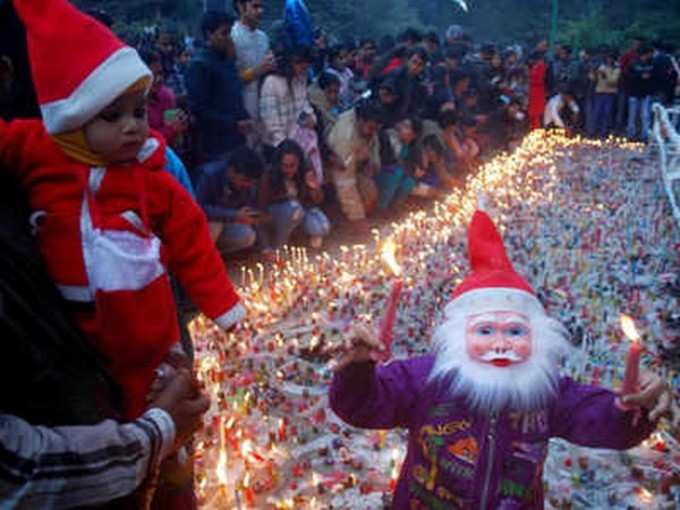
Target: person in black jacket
{"type": "Point", "coordinates": [214, 91]}
{"type": "Point", "coordinates": [641, 88]}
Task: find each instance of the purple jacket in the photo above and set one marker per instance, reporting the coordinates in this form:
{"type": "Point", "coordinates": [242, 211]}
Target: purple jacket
{"type": "Point", "coordinates": [457, 459]}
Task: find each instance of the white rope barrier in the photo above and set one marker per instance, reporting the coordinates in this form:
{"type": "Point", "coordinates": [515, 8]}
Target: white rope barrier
{"type": "Point", "coordinates": [668, 142]}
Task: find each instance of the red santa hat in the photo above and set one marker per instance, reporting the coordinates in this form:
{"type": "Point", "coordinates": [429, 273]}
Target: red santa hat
{"type": "Point", "coordinates": [79, 67]}
{"type": "Point", "coordinates": [493, 284]}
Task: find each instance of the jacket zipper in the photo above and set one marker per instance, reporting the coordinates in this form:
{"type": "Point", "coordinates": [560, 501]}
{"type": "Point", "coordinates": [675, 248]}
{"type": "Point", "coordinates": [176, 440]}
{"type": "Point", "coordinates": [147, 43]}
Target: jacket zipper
{"type": "Point", "coordinates": [491, 446]}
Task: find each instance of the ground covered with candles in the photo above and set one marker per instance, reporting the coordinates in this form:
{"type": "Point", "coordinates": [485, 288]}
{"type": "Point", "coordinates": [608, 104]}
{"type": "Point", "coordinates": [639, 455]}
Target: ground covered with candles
{"type": "Point", "coordinates": [588, 224]}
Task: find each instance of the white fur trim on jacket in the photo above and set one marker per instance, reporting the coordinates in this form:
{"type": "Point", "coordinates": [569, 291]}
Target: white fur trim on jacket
{"type": "Point", "coordinates": [494, 299]}
{"type": "Point", "coordinates": [103, 85]}
{"type": "Point", "coordinates": [231, 316]}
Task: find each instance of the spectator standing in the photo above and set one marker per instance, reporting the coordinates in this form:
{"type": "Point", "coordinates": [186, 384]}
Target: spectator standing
{"type": "Point", "coordinates": [537, 89]}
{"type": "Point", "coordinates": [167, 48]}
{"type": "Point", "coordinates": [291, 194]}
{"type": "Point", "coordinates": [214, 91]}
{"type": "Point", "coordinates": [641, 88]}
{"type": "Point", "coordinates": [606, 86]}
{"type": "Point", "coordinates": [625, 62]}
{"type": "Point", "coordinates": [253, 57]}
{"type": "Point", "coordinates": [163, 114]}
{"type": "Point", "coordinates": [562, 71]}
{"type": "Point", "coordinates": [285, 109]}
{"type": "Point", "coordinates": [227, 192]}
{"type": "Point", "coordinates": [664, 74]}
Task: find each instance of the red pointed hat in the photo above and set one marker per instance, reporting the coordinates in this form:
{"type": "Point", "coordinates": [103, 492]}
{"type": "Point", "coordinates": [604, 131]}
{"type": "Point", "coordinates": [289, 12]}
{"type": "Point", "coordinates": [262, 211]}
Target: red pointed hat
{"type": "Point", "coordinates": [493, 284]}
{"type": "Point", "coordinates": [79, 67]}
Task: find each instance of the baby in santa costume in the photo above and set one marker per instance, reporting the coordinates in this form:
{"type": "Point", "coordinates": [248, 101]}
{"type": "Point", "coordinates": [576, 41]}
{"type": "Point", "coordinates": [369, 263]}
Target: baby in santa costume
{"type": "Point", "coordinates": [109, 220]}
{"type": "Point", "coordinates": [481, 408]}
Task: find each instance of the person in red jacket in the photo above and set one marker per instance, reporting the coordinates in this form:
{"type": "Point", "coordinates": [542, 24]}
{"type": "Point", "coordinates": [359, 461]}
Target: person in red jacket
{"type": "Point", "coordinates": [109, 221]}
{"type": "Point", "coordinates": [537, 70]}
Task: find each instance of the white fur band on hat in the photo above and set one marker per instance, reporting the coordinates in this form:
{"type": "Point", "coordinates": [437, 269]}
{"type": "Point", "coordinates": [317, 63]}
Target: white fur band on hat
{"type": "Point", "coordinates": [102, 86]}
{"type": "Point", "coordinates": [494, 299]}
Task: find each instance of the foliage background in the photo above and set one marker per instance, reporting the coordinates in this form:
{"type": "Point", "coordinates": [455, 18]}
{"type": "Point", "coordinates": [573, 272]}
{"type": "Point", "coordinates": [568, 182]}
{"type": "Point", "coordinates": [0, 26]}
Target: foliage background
{"type": "Point", "coordinates": [582, 23]}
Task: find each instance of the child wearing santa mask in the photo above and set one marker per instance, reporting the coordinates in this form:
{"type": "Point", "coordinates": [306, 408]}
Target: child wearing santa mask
{"type": "Point", "coordinates": [481, 408]}
{"type": "Point", "coordinates": [109, 221]}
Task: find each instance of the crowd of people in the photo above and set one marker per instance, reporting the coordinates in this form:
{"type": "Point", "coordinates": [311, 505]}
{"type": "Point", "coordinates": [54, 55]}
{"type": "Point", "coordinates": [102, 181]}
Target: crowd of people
{"type": "Point", "coordinates": [277, 135]}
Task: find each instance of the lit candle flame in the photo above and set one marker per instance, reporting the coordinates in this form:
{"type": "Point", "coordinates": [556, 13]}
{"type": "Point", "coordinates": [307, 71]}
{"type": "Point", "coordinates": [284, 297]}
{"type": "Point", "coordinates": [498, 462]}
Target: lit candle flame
{"type": "Point", "coordinates": [246, 448]}
{"type": "Point", "coordinates": [246, 480]}
{"type": "Point", "coordinates": [388, 252]}
{"type": "Point", "coordinates": [221, 470]}
{"type": "Point", "coordinates": [628, 327]}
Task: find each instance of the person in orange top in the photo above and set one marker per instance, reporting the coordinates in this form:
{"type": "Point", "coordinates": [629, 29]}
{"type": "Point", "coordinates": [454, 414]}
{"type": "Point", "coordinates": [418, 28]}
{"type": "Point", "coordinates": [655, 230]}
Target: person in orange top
{"type": "Point", "coordinates": [109, 221]}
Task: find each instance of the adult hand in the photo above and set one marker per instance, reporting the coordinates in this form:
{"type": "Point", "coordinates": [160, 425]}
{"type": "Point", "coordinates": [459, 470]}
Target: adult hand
{"type": "Point", "coordinates": [654, 395]}
{"type": "Point", "coordinates": [360, 344]}
{"type": "Point", "coordinates": [185, 404]}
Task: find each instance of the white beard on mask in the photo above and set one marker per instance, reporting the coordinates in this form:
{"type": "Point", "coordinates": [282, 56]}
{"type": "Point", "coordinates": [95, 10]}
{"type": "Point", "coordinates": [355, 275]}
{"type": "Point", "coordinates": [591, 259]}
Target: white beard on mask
{"type": "Point", "coordinates": [489, 389]}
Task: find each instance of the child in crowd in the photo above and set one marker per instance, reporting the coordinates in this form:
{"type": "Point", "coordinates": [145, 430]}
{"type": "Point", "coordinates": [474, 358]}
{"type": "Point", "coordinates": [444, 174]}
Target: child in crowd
{"type": "Point", "coordinates": [395, 183]}
{"type": "Point", "coordinates": [291, 193]}
{"type": "Point", "coordinates": [108, 219]}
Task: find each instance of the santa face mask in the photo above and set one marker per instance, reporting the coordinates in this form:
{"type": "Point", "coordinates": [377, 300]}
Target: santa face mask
{"type": "Point", "coordinates": [501, 339]}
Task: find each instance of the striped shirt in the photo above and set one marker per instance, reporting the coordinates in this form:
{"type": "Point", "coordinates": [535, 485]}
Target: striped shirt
{"type": "Point", "coordinates": [71, 466]}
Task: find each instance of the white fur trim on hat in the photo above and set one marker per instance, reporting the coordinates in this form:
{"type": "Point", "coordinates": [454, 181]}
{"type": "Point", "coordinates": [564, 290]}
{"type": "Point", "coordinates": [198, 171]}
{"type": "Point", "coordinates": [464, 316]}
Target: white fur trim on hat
{"type": "Point", "coordinates": [494, 299]}
{"type": "Point", "coordinates": [101, 87]}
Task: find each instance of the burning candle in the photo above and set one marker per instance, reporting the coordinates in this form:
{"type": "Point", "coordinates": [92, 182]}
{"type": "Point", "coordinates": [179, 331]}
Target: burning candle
{"type": "Point", "coordinates": [387, 326]}
{"type": "Point", "coordinates": [630, 378]}
{"type": "Point", "coordinates": [248, 493]}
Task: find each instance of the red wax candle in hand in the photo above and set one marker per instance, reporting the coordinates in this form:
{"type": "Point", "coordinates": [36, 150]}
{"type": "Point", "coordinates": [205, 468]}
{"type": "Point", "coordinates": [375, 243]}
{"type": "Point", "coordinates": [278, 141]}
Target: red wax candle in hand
{"type": "Point", "coordinates": [632, 374]}
{"type": "Point", "coordinates": [390, 317]}
{"type": "Point", "coordinates": [386, 328]}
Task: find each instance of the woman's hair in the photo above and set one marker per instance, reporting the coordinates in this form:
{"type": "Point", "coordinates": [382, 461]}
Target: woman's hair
{"type": "Point", "coordinates": [433, 143]}
{"type": "Point", "coordinates": [150, 56]}
{"type": "Point", "coordinates": [278, 179]}
{"type": "Point", "coordinates": [448, 118]}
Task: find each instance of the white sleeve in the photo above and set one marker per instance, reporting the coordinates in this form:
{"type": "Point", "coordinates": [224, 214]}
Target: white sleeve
{"type": "Point", "coordinates": [72, 466]}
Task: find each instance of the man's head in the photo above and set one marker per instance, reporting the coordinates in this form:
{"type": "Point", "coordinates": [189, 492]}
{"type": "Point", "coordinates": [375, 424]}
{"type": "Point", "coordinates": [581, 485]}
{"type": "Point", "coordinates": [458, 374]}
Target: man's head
{"type": "Point", "coordinates": [250, 12]}
{"type": "Point", "coordinates": [452, 58]}
{"type": "Point", "coordinates": [432, 42]}
{"type": "Point", "coordinates": [646, 53]}
{"type": "Point", "coordinates": [338, 57]}
{"type": "Point", "coordinates": [387, 94]}
{"type": "Point", "coordinates": [497, 348]}
{"type": "Point", "coordinates": [564, 52]}
{"type": "Point", "coordinates": [216, 30]}
{"type": "Point", "coordinates": [330, 84]}
{"type": "Point", "coordinates": [410, 37]}
{"type": "Point", "coordinates": [244, 169]}
{"type": "Point", "coordinates": [368, 119]}
{"type": "Point", "coordinates": [166, 43]}
{"type": "Point", "coordinates": [416, 61]}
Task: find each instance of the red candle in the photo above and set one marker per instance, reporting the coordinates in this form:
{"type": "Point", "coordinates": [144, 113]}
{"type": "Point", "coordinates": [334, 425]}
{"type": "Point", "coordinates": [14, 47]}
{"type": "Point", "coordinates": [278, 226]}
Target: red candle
{"type": "Point", "coordinates": [390, 317]}
{"type": "Point", "coordinates": [386, 328]}
{"type": "Point", "coordinates": [631, 375]}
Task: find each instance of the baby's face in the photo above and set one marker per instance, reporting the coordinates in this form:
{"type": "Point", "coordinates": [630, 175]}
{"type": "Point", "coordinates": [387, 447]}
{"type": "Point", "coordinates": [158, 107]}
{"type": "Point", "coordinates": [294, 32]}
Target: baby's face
{"type": "Point", "coordinates": [118, 132]}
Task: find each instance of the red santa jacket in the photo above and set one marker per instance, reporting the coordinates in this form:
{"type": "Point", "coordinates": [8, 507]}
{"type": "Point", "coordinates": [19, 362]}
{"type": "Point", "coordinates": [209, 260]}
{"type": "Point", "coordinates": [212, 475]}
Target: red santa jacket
{"type": "Point", "coordinates": [107, 236]}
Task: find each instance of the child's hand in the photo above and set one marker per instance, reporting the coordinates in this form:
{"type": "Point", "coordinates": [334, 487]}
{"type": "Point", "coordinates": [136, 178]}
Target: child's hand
{"type": "Point", "coordinates": [164, 375]}
{"type": "Point", "coordinates": [654, 395]}
{"type": "Point", "coordinates": [361, 344]}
